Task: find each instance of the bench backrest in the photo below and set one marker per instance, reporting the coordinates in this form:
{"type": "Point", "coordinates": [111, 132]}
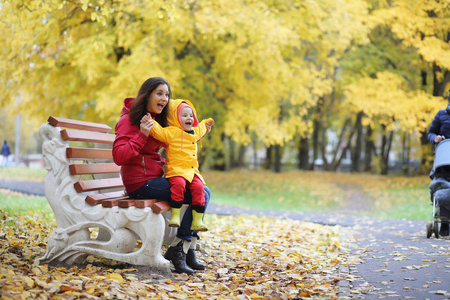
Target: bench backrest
{"type": "Point", "coordinates": [99, 177]}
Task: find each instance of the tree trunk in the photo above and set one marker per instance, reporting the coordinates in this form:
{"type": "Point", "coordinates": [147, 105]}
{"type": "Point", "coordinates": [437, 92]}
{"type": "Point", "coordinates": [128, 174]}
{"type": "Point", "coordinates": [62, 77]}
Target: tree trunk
{"type": "Point", "coordinates": [423, 75]}
{"type": "Point", "coordinates": [255, 152]}
{"type": "Point", "coordinates": [241, 155]}
{"type": "Point", "coordinates": [231, 153]}
{"type": "Point", "coordinates": [315, 142]}
{"type": "Point", "coordinates": [303, 154]}
{"type": "Point", "coordinates": [323, 150]}
{"type": "Point", "coordinates": [317, 128]}
{"type": "Point", "coordinates": [268, 161]}
{"type": "Point", "coordinates": [277, 162]}
{"type": "Point", "coordinates": [385, 150]}
{"type": "Point", "coordinates": [357, 150]}
{"type": "Point", "coordinates": [334, 162]}
{"type": "Point", "coordinates": [406, 153]}
{"type": "Point", "coordinates": [438, 83]}
{"type": "Point", "coordinates": [370, 147]}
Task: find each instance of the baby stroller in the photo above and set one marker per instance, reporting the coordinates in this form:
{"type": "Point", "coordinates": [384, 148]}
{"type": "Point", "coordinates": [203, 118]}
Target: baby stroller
{"type": "Point", "coordinates": [440, 188]}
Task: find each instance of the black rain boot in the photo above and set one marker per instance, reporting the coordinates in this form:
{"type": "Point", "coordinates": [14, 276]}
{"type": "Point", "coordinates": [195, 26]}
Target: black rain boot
{"type": "Point", "coordinates": [178, 258]}
{"type": "Point", "coordinates": [444, 231]}
{"type": "Point", "coordinates": [191, 258]}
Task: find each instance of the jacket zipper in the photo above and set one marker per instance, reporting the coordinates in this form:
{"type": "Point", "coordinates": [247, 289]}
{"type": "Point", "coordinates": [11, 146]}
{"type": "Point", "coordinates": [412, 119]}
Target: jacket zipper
{"type": "Point", "coordinates": [143, 164]}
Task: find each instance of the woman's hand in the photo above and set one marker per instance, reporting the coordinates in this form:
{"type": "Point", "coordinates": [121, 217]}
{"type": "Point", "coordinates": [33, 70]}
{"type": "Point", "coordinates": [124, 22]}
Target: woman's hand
{"type": "Point", "coordinates": [438, 139]}
{"type": "Point", "coordinates": [146, 124]}
{"type": "Point", "coordinates": [208, 125]}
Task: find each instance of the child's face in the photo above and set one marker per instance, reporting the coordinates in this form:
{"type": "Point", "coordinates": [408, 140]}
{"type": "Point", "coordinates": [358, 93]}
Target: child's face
{"type": "Point", "coordinates": [187, 118]}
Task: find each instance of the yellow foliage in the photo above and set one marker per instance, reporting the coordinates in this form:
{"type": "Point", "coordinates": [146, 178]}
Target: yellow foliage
{"type": "Point", "coordinates": [81, 58]}
{"type": "Point", "coordinates": [383, 100]}
{"type": "Point", "coordinates": [423, 25]}
{"type": "Point", "coordinates": [257, 67]}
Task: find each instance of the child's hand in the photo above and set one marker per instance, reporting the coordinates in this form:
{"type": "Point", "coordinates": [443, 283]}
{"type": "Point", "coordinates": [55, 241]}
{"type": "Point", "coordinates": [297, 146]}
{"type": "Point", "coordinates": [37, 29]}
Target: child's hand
{"type": "Point", "coordinates": [146, 124]}
{"type": "Point", "coordinates": [209, 123]}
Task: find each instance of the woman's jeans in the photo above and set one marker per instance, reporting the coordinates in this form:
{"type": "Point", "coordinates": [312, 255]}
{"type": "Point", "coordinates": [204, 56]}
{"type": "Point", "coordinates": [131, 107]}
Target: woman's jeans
{"type": "Point", "coordinates": [159, 188]}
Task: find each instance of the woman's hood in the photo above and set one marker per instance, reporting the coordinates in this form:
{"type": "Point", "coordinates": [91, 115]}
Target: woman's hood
{"type": "Point", "coordinates": [174, 112]}
{"type": "Point", "coordinates": [126, 106]}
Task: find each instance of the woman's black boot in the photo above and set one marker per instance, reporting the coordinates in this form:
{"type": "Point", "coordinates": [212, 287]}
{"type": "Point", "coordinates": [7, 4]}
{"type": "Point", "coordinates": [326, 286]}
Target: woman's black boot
{"type": "Point", "coordinates": [178, 258]}
{"type": "Point", "coordinates": [191, 258]}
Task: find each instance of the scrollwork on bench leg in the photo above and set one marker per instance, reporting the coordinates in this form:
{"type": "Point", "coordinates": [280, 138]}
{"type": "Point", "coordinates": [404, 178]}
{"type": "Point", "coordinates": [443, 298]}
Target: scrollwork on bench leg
{"type": "Point", "coordinates": [73, 244]}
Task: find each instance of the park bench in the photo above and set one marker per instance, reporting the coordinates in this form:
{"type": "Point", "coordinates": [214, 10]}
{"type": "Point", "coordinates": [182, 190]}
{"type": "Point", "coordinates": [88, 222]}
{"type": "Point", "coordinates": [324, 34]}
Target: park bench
{"type": "Point", "coordinates": [94, 215]}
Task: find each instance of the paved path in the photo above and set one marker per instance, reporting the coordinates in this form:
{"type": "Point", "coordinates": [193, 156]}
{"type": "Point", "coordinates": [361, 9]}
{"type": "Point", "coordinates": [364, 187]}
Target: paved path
{"type": "Point", "coordinates": [397, 260]}
{"type": "Point", "coordinates": [28, 187]}
{"type": "Point", "coordinates": [388, 258]}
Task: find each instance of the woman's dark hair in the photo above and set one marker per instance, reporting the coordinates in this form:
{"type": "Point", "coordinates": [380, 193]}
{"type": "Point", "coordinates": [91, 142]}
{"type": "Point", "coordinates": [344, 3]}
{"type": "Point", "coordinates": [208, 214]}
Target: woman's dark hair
{"type": "Point", "coordinates": [139, 107]}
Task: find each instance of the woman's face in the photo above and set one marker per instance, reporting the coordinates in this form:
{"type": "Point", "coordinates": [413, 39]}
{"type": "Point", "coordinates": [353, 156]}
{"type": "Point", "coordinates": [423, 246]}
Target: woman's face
{"type": "Point", "coordinates": [158, 99]}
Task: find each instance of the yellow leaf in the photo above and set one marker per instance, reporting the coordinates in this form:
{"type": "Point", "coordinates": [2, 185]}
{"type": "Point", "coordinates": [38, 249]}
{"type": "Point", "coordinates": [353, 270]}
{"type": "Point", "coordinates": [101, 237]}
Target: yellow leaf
{"type": "Point", "coordinates": [36, 271]}
{"type": "Point", "coordinates": [29, 282]}
{"type": "Point", "coordinates": [117, 277]}
{"type": "Point", "coordinates": [13, 288]}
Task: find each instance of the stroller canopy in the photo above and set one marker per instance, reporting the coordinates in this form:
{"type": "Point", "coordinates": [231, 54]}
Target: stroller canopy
{"type": "Point", "coordinates": [442, 155]}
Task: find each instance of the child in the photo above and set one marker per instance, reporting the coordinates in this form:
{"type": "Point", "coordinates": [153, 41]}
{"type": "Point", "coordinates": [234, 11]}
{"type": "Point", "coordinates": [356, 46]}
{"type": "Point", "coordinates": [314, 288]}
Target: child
{"type": "Point", "coordinates": [180, 138]}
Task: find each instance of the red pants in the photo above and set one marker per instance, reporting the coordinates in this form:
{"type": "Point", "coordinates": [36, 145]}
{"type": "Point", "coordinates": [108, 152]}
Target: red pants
{"type": "Point", "coordinates": [178, 187]}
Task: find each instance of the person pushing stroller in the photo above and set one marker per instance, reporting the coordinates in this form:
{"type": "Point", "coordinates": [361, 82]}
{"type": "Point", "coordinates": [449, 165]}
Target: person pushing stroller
{"type": "Point", "coordinates": [440, 130]}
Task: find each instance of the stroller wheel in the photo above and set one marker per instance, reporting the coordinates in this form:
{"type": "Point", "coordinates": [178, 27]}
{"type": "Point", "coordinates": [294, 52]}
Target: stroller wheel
{"type": "Point", "coordinates": [429, 230]}
{"type": "Point", "coordinates": [436, 230]}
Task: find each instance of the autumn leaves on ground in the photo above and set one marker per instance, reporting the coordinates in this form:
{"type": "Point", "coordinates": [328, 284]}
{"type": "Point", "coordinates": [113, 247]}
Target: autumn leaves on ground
{"type": "Point", "coordinates": [248, 257]}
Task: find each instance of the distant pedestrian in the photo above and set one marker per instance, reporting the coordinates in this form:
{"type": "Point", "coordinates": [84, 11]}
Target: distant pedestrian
{"type": "Point", "coordinates": [5, 153]}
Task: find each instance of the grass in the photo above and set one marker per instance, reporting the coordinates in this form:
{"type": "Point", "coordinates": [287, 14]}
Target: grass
{"type": "Point", "coordinates": [393, 197]}
{"type": "Point", "coordinates": [18, 204]}
{"type": "Point", "coordinates": [403, 198]}
{"type": "Point", "coordinates": [266, 190]}
{"type": "Point", "coordinates": [29, 174]}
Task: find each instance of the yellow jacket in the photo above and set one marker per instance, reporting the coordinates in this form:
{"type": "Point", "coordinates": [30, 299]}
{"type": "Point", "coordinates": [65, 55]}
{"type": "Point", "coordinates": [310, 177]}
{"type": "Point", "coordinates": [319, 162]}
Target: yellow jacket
{"type": "Point", "coordinates": [181, 146]}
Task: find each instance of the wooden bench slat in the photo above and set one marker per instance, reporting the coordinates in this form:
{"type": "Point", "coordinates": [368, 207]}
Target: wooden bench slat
{"type": "Point", "coordinates": [87, 136]}
{"type": "Point", "coordinates": [100, 168]}
{"type": "Point", "coordinates": [139, 203]}
{"type": "Point", "coordinates": [110, 202]}
{"type": "Point", "coordinates": [92, 201]}
{"type": "Point", "coordinates": [76, 124]}
{"type": "Point", "coordinates": [95, 199]}
{"type": "Point", "coordinates": [107, 195]}
{"type": "Point", "coordinates": [97, 184]}
{"type": "Point", "coordinates": [142, 203]}
{"type": "Point", "coordinates": [126, 203]}
{"type": "Point", "coordinates": [88, 153]}
{"type": "Point", "coordinates": [160, 207]}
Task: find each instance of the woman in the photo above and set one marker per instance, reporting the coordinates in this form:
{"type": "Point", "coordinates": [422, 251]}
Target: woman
{"type": "Point", "coordinates": [142, 167]}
